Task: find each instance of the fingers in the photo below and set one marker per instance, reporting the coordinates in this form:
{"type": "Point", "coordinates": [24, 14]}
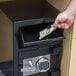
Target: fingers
{"type": "Point", "coordinates": [63, 25]}
{"type": "Point", "coordinates": [64, 21]}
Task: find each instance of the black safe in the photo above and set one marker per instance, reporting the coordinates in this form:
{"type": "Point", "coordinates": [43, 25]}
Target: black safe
{"type": "Point", "coordinates": [26, 54]}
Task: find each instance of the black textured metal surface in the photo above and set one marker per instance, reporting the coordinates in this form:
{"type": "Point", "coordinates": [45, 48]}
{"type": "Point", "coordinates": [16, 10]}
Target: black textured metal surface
{"type": "Point", "coordinates": [7, 68]}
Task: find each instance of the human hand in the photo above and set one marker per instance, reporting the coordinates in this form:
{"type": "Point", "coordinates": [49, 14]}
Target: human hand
{"type": "Point", "coordinates": [64, 20]}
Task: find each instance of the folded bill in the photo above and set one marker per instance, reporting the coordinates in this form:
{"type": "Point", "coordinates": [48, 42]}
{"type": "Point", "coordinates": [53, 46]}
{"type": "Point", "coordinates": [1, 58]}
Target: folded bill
{"type": "Point", "coordinates": [45, 32]}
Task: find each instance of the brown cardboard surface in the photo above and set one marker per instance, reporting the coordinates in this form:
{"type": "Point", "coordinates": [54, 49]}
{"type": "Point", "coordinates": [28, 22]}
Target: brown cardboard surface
{"type": "Point", "coordinates": [65, 63]}
{"type": "Point", "coordinates": [6, 38]}
{"type": "Point", "coordinates": [5, 0]}
{"type": "Point", "coordinates": [74, 30]}
{"type": "Point", "coordinates": [72, 71]}
{"type": "Point", "coordinates": [59, 4]}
